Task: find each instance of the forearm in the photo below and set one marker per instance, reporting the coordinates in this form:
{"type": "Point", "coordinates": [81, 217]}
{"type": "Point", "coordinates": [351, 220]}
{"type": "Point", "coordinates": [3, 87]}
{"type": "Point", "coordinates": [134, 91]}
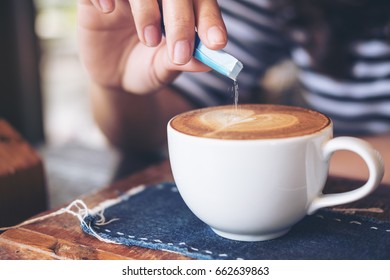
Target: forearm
{"type": "Point", "coordinates": [134, 122]}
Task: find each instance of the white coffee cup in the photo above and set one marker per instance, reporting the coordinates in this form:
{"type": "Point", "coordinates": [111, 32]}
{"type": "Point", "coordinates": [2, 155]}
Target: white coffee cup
{"type": "Point", "coordinates": [257, 189]}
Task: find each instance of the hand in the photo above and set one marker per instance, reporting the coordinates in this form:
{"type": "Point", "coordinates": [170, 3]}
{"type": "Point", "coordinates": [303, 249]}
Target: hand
{"type": "Point", "coordinates": [121, 44]}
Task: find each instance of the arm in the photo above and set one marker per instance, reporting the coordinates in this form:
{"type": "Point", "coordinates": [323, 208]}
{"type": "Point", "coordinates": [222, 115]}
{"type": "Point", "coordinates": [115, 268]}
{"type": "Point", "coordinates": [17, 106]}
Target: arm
{"type": "Point", "coordinates": [135, 122]}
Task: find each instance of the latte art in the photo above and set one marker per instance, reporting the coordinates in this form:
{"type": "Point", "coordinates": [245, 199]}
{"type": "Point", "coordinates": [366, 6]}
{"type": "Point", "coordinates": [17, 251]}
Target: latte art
{"type": "Point", "coordinates": [235, 120]}
{"type": "Point", "coordinates": [250, 122]}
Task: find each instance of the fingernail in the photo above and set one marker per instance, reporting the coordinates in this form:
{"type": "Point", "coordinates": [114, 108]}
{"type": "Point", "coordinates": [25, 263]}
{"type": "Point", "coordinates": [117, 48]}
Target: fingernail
{"type": "Point", "coordinates": [216, 36]}
{"type": "Point", "coordinates": [181, 52]}
{"type": "Point", "coordinates": [106, 6]}
{"type": "Point", "coordinates": [151, 36]}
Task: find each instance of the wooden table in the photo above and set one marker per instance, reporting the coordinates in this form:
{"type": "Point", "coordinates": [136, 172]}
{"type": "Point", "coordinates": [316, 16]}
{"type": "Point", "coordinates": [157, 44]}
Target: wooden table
{"type": "Point", "coordinates": [22, 178]}
{"type": "Point", "coordinates": [61, 237]}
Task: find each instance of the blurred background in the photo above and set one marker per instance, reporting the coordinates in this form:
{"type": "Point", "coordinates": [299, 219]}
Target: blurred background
{"type": "Point", "coordinates": [64, 83]}
{"type": "Point", "coordinates": [43, 95]}
{"type": "Point", "coordinates": [77, 157]}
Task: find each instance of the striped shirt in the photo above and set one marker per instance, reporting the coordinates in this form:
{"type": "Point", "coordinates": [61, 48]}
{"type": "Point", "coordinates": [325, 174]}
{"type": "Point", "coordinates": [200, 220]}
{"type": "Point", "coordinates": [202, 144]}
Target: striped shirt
{"type": "Point", "coordinates": [357, 104]}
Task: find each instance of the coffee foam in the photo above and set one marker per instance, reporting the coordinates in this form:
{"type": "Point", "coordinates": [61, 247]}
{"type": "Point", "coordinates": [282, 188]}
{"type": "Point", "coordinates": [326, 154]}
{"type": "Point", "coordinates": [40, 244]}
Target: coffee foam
{"type": "Point", "coordinates": [250, 122]}
{"type": "Point", "coordinates": [245, 120]}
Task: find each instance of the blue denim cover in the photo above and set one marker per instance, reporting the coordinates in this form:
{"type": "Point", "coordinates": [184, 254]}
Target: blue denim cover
{"type": "Point", "coordinates": [157, 218]}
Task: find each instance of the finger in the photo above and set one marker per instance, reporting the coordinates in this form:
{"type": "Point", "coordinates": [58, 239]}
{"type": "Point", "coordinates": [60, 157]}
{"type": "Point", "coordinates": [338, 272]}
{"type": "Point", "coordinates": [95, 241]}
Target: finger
{"type": "Point", "coordinates": [159, 68]}
{"type": "Point", "coordinates": [90, 16]}
{"type": "Point", "coordinates": [105, 6]}
{"type": "Point", "coordinates": [179, 21]}
{"type": "Point", "coordinates": [210, 25]}
{"type": "Point", "coordinates": [147, 20]}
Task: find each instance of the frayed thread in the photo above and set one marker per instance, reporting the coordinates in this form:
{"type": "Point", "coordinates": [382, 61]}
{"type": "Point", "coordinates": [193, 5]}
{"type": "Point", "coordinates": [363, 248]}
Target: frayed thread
{"type": "Point", "coordinates": [78, 209]}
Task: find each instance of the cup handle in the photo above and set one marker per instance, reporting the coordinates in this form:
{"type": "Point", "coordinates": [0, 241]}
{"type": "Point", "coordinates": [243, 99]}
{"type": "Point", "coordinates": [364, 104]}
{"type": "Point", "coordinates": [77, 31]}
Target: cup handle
{"type": "Point", "coordinates": [375, 167]}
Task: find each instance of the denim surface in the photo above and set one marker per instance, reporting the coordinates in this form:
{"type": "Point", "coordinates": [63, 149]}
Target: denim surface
{"type": "Point", "coordinates": [157, 218]}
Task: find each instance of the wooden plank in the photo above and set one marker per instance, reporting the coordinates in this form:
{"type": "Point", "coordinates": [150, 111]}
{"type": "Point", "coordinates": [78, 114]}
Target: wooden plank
{"type": "Point", "coordinates": [34, 245]}
{"type": "Point", "coordinates": [22, 180]}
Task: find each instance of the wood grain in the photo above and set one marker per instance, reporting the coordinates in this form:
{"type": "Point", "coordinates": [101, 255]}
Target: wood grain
{"type": "Point", "coordinates": [22, 181]}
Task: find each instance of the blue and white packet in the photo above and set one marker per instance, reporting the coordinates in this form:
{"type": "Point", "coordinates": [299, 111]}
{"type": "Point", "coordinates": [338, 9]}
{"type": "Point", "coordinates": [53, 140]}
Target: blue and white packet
{"type": "Point", "coordinates": [219, 60]}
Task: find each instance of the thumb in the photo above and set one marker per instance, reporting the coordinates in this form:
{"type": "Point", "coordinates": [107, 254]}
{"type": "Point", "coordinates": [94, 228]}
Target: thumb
{"type": "Point", "coordinates": [153, 69]}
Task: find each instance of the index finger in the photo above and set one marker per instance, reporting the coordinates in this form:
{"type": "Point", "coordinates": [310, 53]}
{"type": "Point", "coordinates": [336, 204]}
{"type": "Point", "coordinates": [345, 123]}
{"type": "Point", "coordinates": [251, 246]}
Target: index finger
{"type": "Point", "coordinates": [147, 19]}
{"type": "Point", "coordinates": [210, 24]}
{"type": "Point", "coordinates": [179, 22]}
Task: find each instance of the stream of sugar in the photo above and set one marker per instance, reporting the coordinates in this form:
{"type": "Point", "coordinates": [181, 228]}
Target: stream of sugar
{"type": "Point", "coordinates": [235, 84]}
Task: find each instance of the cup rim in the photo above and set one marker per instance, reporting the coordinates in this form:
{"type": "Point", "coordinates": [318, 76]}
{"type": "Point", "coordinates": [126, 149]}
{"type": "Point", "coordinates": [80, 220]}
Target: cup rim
{"type": "Point", "coordinates": [329, 126]}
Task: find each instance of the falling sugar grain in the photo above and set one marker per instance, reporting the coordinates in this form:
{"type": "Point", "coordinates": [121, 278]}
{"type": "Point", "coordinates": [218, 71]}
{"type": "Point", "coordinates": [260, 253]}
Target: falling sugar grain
{"type": "Point", "coordinates": [235, 84]}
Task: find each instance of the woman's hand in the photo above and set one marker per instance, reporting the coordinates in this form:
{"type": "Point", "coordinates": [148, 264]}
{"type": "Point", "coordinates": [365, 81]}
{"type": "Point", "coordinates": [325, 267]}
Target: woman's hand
{"type": "Point", "coordinates": [121, 44]}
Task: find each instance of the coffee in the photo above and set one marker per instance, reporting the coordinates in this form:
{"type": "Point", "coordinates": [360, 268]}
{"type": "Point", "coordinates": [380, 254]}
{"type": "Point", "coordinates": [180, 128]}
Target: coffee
{"type": "Point", "coordinates": [250, 121]}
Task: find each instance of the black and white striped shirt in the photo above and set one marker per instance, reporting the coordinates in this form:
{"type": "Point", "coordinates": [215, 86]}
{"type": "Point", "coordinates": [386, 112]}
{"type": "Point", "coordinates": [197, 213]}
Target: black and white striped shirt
{"type": "Point", "coordinates": [357, 104]}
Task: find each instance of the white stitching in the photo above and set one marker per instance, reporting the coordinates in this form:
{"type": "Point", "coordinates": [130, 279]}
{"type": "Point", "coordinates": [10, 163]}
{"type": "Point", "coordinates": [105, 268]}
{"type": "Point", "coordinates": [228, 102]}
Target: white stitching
{"type": "Point", "coordinates": [173, 189]}
{"type": "Point", "coordinates": [172, 244]}
{"type": "Point", "coordinates": [223, 254]}
{"type": "Point", "coordinates": [351, 222]}
{"type": "Point", "coordinates": [160, 186]}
